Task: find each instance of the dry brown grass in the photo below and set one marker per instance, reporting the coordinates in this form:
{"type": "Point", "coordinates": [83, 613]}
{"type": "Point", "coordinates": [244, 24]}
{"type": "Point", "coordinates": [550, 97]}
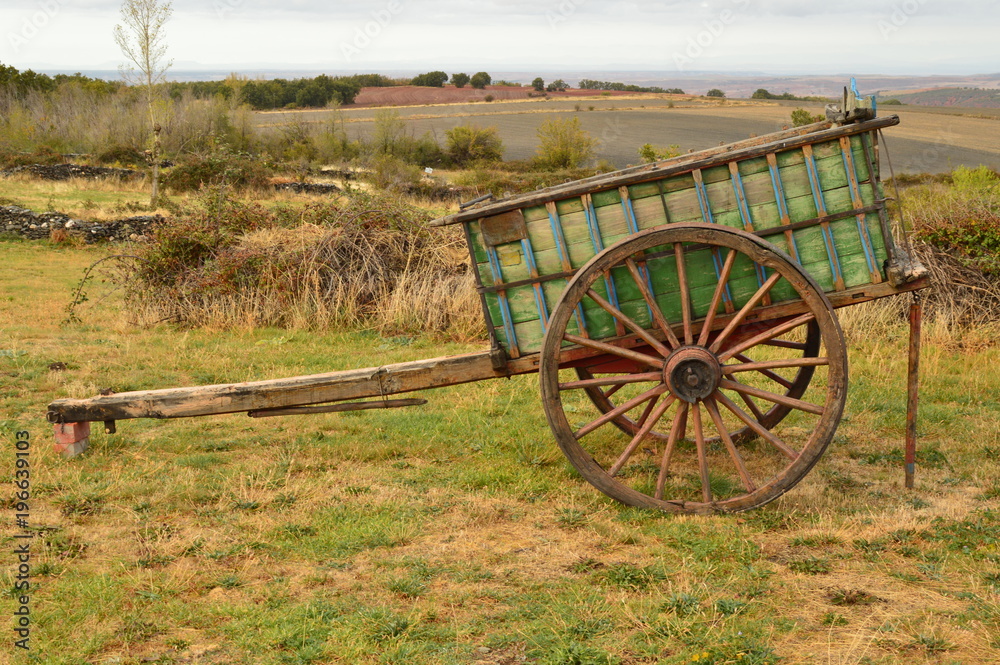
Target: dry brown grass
{"type": "Point", "coordinates": [360, 266]}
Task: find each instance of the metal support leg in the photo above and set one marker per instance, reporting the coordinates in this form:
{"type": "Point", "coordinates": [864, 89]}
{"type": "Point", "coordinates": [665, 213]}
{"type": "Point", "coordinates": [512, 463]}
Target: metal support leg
{"type": "Point", "coordinates": [912, 384]}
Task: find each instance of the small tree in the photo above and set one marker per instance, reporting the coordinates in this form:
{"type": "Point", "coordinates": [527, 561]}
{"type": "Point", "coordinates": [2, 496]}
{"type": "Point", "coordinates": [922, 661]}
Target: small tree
{"type": "Point", "coordinates": [715, 92]}
{"type": "Point", "coordinates": [431, 79]}
{"type": "Point", "coordinates": [557, 86]}
{"type": "Point", "coordinates": [480, 80]}
{"type": "Point", "coordinates": [650, 153]}
{"type": "Point", "coordinates": [472, 143]}
{"type": "Point", "coordinates": [389, 133]}
{"type": "Point", "coordinates": [538, 84]}
{"type": "Point", "coordinates": [141, 41]}
{"type": "Point", "coordinates": [563, 144]}
{"type": "Point", "coordinates": [460, 80]}
{"type": "Point", "coordinates": [802, 117]}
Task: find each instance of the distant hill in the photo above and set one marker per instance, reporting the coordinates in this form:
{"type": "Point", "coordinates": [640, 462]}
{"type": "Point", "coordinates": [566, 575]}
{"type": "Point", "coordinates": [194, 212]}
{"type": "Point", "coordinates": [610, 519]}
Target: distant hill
{"type": "Point", "coordinates": [968, 97]}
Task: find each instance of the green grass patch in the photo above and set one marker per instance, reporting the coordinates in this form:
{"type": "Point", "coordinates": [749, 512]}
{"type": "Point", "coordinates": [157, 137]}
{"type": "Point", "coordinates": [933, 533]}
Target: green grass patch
{"type": "Point", "coordinates": [455, 532]}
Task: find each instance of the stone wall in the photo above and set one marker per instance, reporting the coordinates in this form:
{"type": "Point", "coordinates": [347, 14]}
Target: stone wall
{"type": "Point", "coordinates": [37, 225]}
{"type": "Point", "coordinates": [67, 171]}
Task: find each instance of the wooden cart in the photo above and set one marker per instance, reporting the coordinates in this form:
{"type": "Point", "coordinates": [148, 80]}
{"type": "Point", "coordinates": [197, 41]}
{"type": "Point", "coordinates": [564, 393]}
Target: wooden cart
{"type": "Point", "coordinates": [680, 316]}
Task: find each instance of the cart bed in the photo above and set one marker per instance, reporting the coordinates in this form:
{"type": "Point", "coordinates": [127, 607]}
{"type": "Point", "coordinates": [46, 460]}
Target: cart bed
{"type": "Point", "coordinates": [812, 191]}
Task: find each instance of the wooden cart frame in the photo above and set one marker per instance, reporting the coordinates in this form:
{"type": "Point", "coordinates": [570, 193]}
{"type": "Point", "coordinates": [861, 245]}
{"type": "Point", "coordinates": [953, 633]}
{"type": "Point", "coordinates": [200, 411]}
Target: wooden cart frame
{"type": "Point", "coordinates": [680, 316]}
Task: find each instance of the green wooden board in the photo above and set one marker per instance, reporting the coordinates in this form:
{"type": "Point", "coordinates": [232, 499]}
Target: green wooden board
{"type": "Point", "coordinates": [675, 200]}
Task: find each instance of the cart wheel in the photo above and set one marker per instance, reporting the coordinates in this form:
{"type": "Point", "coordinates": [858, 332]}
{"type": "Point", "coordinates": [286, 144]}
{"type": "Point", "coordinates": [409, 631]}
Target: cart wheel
{"type": "Point", "coordinates": [794, 387]}
{"type": "Point", "coordinates": [741, 366]}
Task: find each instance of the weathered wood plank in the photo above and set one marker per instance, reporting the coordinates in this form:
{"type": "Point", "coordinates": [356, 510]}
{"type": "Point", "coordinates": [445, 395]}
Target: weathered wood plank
{"type": "Point", "coordinates": [282, 393]}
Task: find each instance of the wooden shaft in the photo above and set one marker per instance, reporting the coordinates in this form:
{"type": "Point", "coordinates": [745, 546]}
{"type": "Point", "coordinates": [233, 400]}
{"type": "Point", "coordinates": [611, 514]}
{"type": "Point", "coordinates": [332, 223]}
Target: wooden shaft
{"type": "Point", "coordinates": [284, 393]}
{"type": "Point", "coordinates": [336, 408]}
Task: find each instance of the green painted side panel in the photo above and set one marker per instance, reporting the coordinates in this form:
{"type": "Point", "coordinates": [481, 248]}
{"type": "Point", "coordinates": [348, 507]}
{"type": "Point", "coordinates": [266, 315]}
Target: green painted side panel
{"type": "Point", "coordinates": [678, 182]}
{"type": "Point", "coordinates": [612, 224]}
{"type": "Point", "coordinates": [643, 190]}
{"type": "Point", "coordinates": [732, 219]}
{"type": "Point", "coordinates": [715, 174]}
{"type": "Point", "coordinates": [569, 206]}
{"type": "Point", "coordinates": [753, 166]}
{"type": "Point", "coordinates": [540, 235]}
{"type": "Point", "coordinates": [649, 212]}
{"type": "Point", "coordinates": [476, 238]}
{"type": "Point", "coordinates": [674, 200]}
{"type": "Point", "coordinates": [606, 198]}
{"type": "Point", "coordinates": [535, 213]}
{"type": "Point", "coordinates": [682, 205]}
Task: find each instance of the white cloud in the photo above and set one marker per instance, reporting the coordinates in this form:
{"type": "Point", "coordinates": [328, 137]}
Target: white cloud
{"type": "Point", "coordinates": [774, 35]}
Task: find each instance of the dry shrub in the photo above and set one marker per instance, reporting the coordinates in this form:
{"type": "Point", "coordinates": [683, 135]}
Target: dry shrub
{"type": "Point", "coordinates": [956, 235]}
{"type": "Point", "coordinates": [359, 262]}
{"type": "Point", "coordinates": [963, 303]}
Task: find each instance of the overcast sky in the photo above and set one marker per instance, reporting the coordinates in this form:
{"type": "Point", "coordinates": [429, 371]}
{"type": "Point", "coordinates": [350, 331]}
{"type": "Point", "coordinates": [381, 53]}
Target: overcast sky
{"type": "Point", "coordinates": [670, 36]}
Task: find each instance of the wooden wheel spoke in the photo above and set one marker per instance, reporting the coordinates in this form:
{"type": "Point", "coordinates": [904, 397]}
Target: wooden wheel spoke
{"type": "Point", "coordinates": [629, 323]}
{"type": "Point", "coordinates": [762, 431]}
{"type": "Point", "coordinates": [677, 432]}
{"type": "Point", "coordinates": [742, 314]}
{"type": "Point", "coordinates": [616, 350]}
{"type": "Point", "coordinates": [765, 368]}
{"type": "Point", "coordinates": [647, 427]}
{"type": "Point", "coordinates": [771, 397]}
{"type": "Point", "coordinates": [766, 372]}
{"type": "Point", "coordinates": [624, 408]}
{"type": "Point", "coordinates": [766, 335]}
{"type": "Point", "coordinates": [713, 411]}
{"type": "Point", "coordinates": [658, 317]}
{"type": "Point", "coordinates": [752, 366]}
{"type": "Point", "coordinates": [685, 293]}
{"type": "Point", "coordinates": [617, 381]}
{"type": "Point", "coordinates": [786, 344]}
{"type": "Point", "coordinates": [647, 411]}
{"type": "Point", "coordinates": [754, 409]}
{"type": "Point", "coordinates": [614, 389]}
{"type": "Point", "coordinates": [720, 289]}
{"type": "Point", "coordinates": [699, 438]}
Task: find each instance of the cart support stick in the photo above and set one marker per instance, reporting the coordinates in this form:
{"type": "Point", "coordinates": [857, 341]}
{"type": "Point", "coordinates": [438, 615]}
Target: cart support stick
{"type": "Point", "coordinates": [284, 393]}
{"type": "Point", "coordinates": [912, 384]}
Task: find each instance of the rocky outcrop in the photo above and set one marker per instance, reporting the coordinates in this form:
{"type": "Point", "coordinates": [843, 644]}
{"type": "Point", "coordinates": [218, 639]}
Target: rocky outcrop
{"type": "Point", "coordinates": [25, 223]}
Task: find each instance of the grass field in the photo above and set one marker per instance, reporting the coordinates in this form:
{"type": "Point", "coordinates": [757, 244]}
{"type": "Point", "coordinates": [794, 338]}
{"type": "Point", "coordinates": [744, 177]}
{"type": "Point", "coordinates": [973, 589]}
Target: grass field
{"type": "Point", "coordinates": [928, 140]}
{"type": "Point", "coordinates": [455, 532]}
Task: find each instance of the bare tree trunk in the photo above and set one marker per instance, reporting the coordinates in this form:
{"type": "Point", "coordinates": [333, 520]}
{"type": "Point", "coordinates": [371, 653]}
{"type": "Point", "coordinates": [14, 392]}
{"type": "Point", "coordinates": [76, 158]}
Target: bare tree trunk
{"type": "Point", "coordinates": [155, 190]}
{"type": "Point", "coordinates": [142, 43]}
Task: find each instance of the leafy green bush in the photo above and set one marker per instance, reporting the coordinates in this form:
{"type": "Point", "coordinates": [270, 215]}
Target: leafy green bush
{"type": "Point", "coordinates": [802, 117]}
{"type": "Point", "coordinates": [219, 167]}
{"type": "Point", "coordinates": [431, 79]}
{"type": "Point", "coordinates": [650, 153]}
{"type": "Point", "coordinates": [965, 222]}
{"type": "Point", "coordinates": [392, 174]}
{"type": "Point", "coordinates": [121, 154]}
{"type": "Point", "coordinates": [390, 137]}
{"type": "Point", "coordinates": [480, 80]}
{"type": "Point", "coordinates": [563, 144]}
{"type": "Point", "coordinates": [472, 143]}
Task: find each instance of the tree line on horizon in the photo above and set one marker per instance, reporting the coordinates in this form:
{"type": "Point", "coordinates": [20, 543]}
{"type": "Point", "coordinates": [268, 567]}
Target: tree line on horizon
{"type": "Point", "coordinates": [267, 94]}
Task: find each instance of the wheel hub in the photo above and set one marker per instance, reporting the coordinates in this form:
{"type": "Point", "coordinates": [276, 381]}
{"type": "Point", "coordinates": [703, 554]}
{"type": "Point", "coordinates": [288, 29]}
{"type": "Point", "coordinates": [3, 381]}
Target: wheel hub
{"type": "Point", "coordinates": [692, 373]}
